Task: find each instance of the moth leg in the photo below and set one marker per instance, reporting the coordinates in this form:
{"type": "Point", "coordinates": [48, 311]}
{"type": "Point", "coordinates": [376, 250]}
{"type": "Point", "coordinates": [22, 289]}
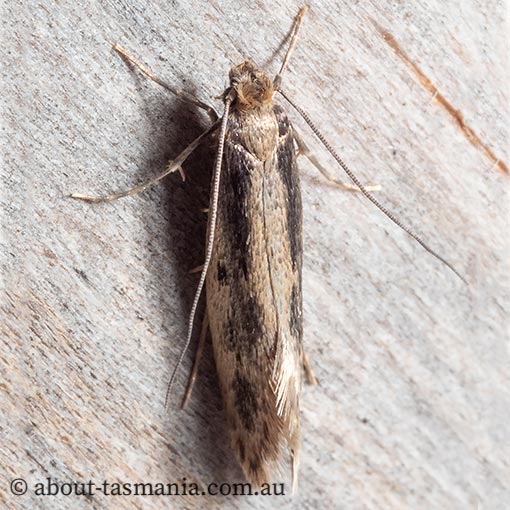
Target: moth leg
{"type": "Point", "coordinates": [303, 150]}
{"type": "Point", "coordinates": [310, 377]}
{"type": "Point", "coordinates": [295, 31]}
{"type": "Point", "coordinates": [184, 95]}
{"type": "Point", "coordinates": [198, 355]}
{"type": "Point", "coordinates": [173, 166]}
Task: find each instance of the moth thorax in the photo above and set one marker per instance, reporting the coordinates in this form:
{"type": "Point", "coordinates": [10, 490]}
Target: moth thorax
{"type": "Point", "coordinates": [254, 89]}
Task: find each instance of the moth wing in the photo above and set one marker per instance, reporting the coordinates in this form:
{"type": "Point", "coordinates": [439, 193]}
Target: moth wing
{"type": "Point", "coordinates": [254, 298]}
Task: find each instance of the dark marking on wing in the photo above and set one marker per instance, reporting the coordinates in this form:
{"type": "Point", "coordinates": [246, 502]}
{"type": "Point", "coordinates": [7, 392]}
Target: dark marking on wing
{"type": "Point", "coordinates": [265, 430]}
{"type": "Point", "coordinates": [252, 323]}
{"type": "Point", "coordinates": [240, 447]}
{"type": "Point", "coordinates": [245, 324]}
{"type": "Point", "coordinates": [288, 170]}
{"type": "Point", "coordinates": [232, 423]}
{"type": "Point", "coordinates": [222, 273]}
{"type": "Point", "coordinates": [254, 463]}
{"type": "Point", "coordinates": [282, 120]}
{"type": "Point", "coordinates": [296, 316]}
{"type": "Point", "coordinates": [245, 398]}
{"type": "Point", "coordinates": [236, 177]}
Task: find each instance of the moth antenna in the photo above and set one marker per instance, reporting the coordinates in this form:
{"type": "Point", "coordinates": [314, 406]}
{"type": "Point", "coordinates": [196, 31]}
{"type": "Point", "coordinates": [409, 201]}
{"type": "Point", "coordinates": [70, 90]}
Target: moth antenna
{"type": "Point", "coordinates": [356, 181]}
{"type": "Point", "coordinates": [297, 25]}
{"type": "Point", "coordinates": [213, 210]}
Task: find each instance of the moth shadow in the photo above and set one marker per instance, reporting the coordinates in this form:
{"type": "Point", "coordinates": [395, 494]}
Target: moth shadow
{"type": "Point", "coordinates": [206, 445]}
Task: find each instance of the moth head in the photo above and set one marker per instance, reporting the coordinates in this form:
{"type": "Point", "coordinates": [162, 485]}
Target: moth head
{"type": "Point", "coordinates": [254, 89]}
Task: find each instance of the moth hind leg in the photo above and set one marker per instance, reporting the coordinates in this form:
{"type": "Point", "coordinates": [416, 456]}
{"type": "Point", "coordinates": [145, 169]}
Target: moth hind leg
{"type": "Point", "coordinates": [196, 363]}
{"type": "Point", "coordinates": [303, 150]}
{"type": "Point", "coordinates": [310, 376]}
{"type": "Point", "coordinates": [294, 469]}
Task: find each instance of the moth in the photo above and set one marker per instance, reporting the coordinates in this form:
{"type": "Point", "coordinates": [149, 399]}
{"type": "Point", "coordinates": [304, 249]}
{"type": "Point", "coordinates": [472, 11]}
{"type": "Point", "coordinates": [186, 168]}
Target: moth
{"type": "Point", "coordinates": [253, 263]}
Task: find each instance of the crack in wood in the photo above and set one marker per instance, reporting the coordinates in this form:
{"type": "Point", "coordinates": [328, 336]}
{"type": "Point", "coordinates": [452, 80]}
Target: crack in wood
{"type": "Point", "coordinates": [457, 116]}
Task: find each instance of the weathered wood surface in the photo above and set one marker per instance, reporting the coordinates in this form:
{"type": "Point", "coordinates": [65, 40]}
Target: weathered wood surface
{"type": "Point", "coordinates": [413, 404]}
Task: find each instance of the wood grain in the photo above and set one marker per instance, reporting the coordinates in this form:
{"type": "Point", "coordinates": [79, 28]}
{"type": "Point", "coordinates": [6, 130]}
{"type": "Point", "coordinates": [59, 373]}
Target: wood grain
{"type": "Point", "coordinates": [413, 403]}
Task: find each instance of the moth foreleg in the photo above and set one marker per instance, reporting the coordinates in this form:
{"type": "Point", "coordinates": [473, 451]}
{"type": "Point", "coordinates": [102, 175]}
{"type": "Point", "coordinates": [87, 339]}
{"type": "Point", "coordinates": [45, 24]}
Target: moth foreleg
{"type": "Point", "coordinates": [173, 166]}
{"type": "Point", "coordinates": [303, 150]}
{"type": "Point", "coordinates": [183, 95]}
{"type": "Point", "coordinates": [310, 377]}
{"type": "Point", "coordinates": [198, 356]}
{"type": "Point", "coordinates": [196, 269]}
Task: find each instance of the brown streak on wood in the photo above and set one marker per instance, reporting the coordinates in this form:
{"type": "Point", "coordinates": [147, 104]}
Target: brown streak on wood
{"type": "Point", "coordinates": [468, 132]}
